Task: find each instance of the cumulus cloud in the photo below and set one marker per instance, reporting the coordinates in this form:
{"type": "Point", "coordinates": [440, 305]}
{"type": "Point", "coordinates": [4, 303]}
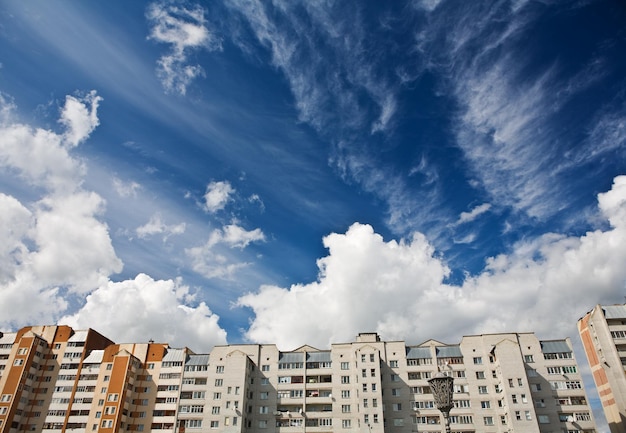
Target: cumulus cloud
{"type": "Point", "coordinates": [217, 195]}
{"type": "Point", "coordinates": [399, 289]}
{"type": "Point", "coordinates": [80, 117]}
{"type": "Point", "coordinates": [364, 284]}
{"type": "Point", "coordinates": [147, 308]}
{"type": "Point", "coordinates": [213, 260]}
{"type": "Point", "coordinates": [184, 29]}
{"type": "Point", "coordinates": [157, 226]}
{"type": "Point", "coordinates": [57, 242]}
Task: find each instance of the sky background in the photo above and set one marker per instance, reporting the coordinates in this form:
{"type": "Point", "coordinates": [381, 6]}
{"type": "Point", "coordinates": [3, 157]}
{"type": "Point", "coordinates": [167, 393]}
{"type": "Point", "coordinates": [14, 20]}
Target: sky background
{"type": "Point", "coordinates": [297, 172]}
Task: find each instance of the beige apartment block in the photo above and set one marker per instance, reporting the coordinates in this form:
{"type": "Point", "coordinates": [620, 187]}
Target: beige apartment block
{"type": "Point", "coordinates": [503, 383]}
{"type": "Point", "coordinates": [603, 333]}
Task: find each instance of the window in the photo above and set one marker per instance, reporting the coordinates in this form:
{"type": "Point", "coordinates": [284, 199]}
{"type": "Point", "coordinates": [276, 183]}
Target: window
{"type": "Point", "coordinates": [366, 419]}
{"type": "Point", "coordinates": [5, 397]}
{"type": "Point", "coordinates": [373, 387]}
{"type": "Point", "coordinates": [531, 372]}
{"type": "Point", "coordinates": [365, 403]}
{"type": "Point", "coordinates": [265, 368]}
{"type": "Point", "coordinates": [365, 387]}
{"type": "Point", "coordinates": [345, 408]}
{"type": "Point", "coordinates": [217, 395]}
{"type": "Point", "coordinates": [485, 404]}
{"type": "Point", "coordinates": [527, 415]}
{"type": "Point", "coordinates": [265, 381]}
{"type": "Point", "coordinates": [345, 393]}
{"type": "Point", "coordinates": [215, 410]}
{"type": "Point", "coordinates": [345, 379]}
{"type": "Point", "coordinates": [375, 418]}
{"type": "Point", "coordinates": [345, 366]}
{"type": "Point", "coordinates": [374, 402]}
{"type": "Point", "coordinates": [393, 364]}
{"type": "Point", "coordinates": [346, 423]}
{"type": "Point", "coordinates": [219, 369]}
{"type": "Point", "coordinates": [520, 382]}
{"type": "Point", "coordinates": [395, 378]}
{"type": "Point", "coordinates": [478, 360]}
{"type": "Point", "coordinates": [397, 407]}
{"type": "Point", "coordinates": [543, 419]}
{"type": "Point", "coordinates": [488, 420]}
{"type": "Point", "coordinates": [528, 358]}
{"type": "Point", "coordinates": [371, 357]}
{"type": "Point", "coordinates": [398, 422]}
{"type": "Point", "coordinates": [518, 416]}
{"type": "Point", "coordinates": [263, 395]}
{"type": "Point", "coordinates": [524, 399]}
{"type": "Point", "coordinates": [18, 362]}
{"type": "Point", "coordinates": [107, 423]}
{"type": "Point", "coordinates": [480, 375]}
{"type": "Point", "coordinates": [193, 423]}
{"type": "Point", "coordinates": [264, 409]}
{"type": "Point", "coordinates": [482, 389]}
{"type": "Point", "coordinates": [510, 383]}
{"type": "Point", "coordinates": [214, 424]}
{"type": "Point", "coordinates": [373, 372]}
{"type": "Point", "coordinates": [262, 423]}
{"type": "Point", "coordinates": [109, 410]}
{"type": "Point", "coordinates": [395, 392]}
{"type": "Point", "coordinates": [514, 398]}
{"type": "Point", "coordinates": [219, 382]}
{"type": "Point", "coordinates": [112, 397]}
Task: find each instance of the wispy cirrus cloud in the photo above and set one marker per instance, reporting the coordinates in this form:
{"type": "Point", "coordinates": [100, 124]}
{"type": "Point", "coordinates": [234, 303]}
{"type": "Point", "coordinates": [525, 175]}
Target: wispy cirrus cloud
{"type": "Point", "coordinates": [185, 30]}
{"type": "Point", "coordinates": [466, 217]}
{"type": "Point", "coordinates": [157, 226]}
{"type": "Point", "coordinates": [508, 111]}
{"type": "Point", "coordinates": [352, 103]}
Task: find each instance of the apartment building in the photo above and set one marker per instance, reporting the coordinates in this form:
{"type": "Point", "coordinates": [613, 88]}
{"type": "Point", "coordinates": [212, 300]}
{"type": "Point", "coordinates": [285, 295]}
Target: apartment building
{"type": "Point", "coordinates": [603, 333]}
{"type": "Point", "coordinates": [503, 383]}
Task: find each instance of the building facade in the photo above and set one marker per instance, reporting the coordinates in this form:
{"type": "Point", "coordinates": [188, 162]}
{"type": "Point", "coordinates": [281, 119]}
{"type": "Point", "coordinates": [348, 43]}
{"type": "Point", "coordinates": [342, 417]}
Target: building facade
{"type": "Point", "coordinates": [55, 379]}
{"type": "Point", "coordinates": [603, 333]}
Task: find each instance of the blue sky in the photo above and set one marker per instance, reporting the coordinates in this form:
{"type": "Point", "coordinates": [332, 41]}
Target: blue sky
{"type": "Point", "coordinates": [298, 172]}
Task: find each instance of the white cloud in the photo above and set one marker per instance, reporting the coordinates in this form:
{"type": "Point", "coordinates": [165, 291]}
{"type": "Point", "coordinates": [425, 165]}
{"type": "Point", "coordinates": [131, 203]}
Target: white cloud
{"type": "Point", "coordinates": [184, 29]}
{"type": "Point", "coordinates": [73, 246]}
{"type": "Point", "coordinates": [473, 214]}
{"type": "Point", "coordinates": [157, 226]}
{"type": "Point", "coordinates": [126, 189]}
{"type": "Point", "coordinates": [57, 242]}
{"type": "Point", "coordinates": [213, 260]}
{"type": "Point", "coordinates": [217, 195]}
{"type": "Point", "coordinates": [15, 222]}
{"type": "Point", "coordinates": [398, 289]}
{"type": "Point", "coordinates": [80, 117]}
{"type": "Point", "coordinates": [146, 308]}
{"type": "Point", "coordinates": [364, 284]}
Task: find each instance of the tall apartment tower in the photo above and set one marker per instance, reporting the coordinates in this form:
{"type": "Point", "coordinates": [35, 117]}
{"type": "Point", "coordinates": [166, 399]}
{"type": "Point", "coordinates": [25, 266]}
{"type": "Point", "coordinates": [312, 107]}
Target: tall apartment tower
{"type": "Point", "coordinates": [603, 333]}
{"type": "Point", "coordinates": [503, 383]}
